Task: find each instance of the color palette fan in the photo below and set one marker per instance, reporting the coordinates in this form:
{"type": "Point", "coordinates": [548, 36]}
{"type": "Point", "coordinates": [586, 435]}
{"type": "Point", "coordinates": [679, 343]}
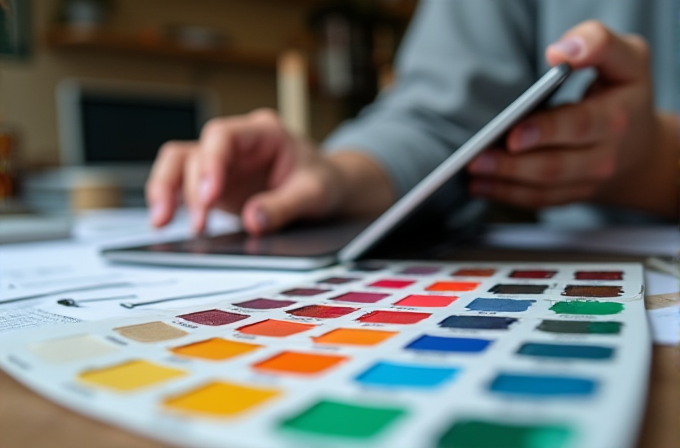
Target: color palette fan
{"type": "Point", "coordinates": [380, 354]}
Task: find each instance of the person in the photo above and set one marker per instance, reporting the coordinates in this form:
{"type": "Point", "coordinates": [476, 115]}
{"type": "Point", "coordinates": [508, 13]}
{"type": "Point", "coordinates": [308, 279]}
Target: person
{"type": "Point", "coordinates": [613, 140]}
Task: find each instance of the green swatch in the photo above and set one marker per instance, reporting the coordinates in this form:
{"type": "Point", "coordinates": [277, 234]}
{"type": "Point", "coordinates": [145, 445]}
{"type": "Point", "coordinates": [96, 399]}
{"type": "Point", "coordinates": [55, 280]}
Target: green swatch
{"type": "Point", "coordinates": [482, 434]}
{"type": "Point", "coordinates": [587, 307]}
{"type": "Point", "coordinates": [332, 418]}
{"type": "Point", "coordinates": [579, 327]}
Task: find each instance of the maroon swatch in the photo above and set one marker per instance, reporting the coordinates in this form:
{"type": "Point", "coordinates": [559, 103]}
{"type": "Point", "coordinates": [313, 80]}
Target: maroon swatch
{"type": "Point", "coordinates": [304, 292]}
{"type": "Point", "coordinates": [533, 274]}
{"type": "Point", "coordinates": [338, 280]}
{"type": "Point", "coordinates": [213, 317]}
{"type": "Point", "coordinates": [598, 275]}
{"type": "Point", "coordinates": [592, 291]}
{"type": "Point", "coordinates": [361, 297]}
{"type": "Point", "coordinates": [264, 304]}
{"type": "Point", "coordinates": [322, 311]}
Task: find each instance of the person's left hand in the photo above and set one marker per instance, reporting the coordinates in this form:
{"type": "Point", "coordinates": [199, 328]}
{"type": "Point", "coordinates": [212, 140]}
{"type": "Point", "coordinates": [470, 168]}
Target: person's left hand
{"type": "Point", "coordinates": [580, 151]}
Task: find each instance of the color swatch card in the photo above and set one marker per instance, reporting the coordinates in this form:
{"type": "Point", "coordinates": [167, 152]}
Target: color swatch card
{"type": "Point", "coordinates": [379, 354]}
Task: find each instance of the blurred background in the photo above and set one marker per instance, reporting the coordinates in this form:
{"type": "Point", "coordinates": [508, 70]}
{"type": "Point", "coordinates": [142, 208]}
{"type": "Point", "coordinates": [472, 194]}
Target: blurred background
{"type": "Point", "coordinates": [89, 89]}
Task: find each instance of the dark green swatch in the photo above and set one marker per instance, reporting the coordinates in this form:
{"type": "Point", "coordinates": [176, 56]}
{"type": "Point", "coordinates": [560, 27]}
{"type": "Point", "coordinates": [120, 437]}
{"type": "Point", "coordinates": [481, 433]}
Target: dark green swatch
{"type": "Point", "coordinates": [587, 307]}
{"type": "Point", "coordinates": [579, 327]}
{"type": "Point", "coordinates": [566, 351]}
{"type": "Point", "coordinates": [482, 434]}
{"type": "Point", "coordinates": [332, 418]}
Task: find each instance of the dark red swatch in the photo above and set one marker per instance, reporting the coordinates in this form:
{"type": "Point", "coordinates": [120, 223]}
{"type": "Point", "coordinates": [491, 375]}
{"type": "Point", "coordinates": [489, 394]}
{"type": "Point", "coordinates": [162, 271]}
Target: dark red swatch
{"type": "Point", "coordinates": [264, 304]}
{"type": "Point", "coordinates": [361, 297]}
{"type": "Point", "coordinates": [338, 280]}
{"type": "Point", "coordinates": [592, 291]}
{"type": "Point", "coordinates": [322, 311]}
{"type": "Point", "coordinates": [213, 317]}
{"type": "Point", "coordinates": [304, 292]}
{"type": "Point", "coordinates": [533, 274]}
{"type": "Point", "coordinates": [598, 275]}
{"type": "Point", "coordinates": [392, 283]}
{"type": "Point", "coordinates": [393, 317]}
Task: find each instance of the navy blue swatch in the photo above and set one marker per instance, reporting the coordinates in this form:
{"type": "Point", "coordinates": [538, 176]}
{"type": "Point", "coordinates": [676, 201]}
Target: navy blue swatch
{"type": "Point", "coordinates": [542, 386]}
{"type": "Point", "coordinates": [478, 322]}
{"type": "Point", "coordinates": [566, 351]}
{"type": "Point", "coordinates": [505, 305]}
{"type": "Point", "coordinates": [446, 344]}
{"type": "Point", "coordinates": [518, 289]}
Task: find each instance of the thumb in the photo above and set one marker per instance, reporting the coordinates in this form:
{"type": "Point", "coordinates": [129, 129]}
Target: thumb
{"type": "Point", "coordinates": [618, 58]}
{"type": "Point", "coordinates": [301, 196]}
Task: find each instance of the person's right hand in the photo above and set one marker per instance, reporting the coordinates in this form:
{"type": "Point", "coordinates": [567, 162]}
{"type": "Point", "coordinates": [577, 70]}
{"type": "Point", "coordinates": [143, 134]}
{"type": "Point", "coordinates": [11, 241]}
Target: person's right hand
{"type": "Point", "coordinates": [250, 165]}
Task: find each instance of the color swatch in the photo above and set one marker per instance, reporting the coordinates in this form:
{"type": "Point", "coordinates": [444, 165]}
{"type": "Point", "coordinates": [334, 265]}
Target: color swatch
{"type": "Point", "coordinates": [341, 419]}
{"type": "Point", "coordinates": [532, 274]}
{"type": "Point", "coordinates": [361, 297]}
{"type": "Point", "coordinates": [275, 328]}
{"type": "Point", "coordinates": [354, 336]}
{"type": "Point", "coordinates": [393, 317]}
{"type": "Point", "coordinates": [220, 399]}
{"type": "Point", "coordinates": [590, 307]}
{"type": "Point", "coordinates": [422, 301]}
{"type": "Point", "coordinates": [542, 385]}
{"type": "Point", "coordinates": [299, 363]}
{"type": "Point", "coordinates": [76, 348]}
{"type": "Point", "coordinates": [392, 283]}
{"type": "Point", "coordinates": [213, 317]}
{"type": "Point", "coordinates": [579, 327]}
{"type": "Point", "coordinates": [565, 351]}
{"type": "Point", "coordinates": [598, 275]}
{"type": "Point", "coordinates": [592, 291]}
{"type": "Point", "coordinates": [421, 270]}
{"type": "Point", "coordinates": [453, 286]}
{"type": "Point", "coordinates": [338, 280]}
{"type": "Point", "coordinates": [478, 322]}
{"type": "Point", "coordinates": [500, 305]}
{"type": "Point", "coordinates": [322, 311]}
{"type": "Point", "coordinates": [151, 332]}
{"type": "Point", "coordinates": [490, 434]}
{"type": "Point", "coordinates": [474, 272]}
{"type": "Point", "coordinates": [215, 349]}
{"type": "Point", "coordinates": [398, 375]}
{"type": "Point", "coordinates": [304, 292]}
{"type": "Point", "coordinates": [449, 344]}
{"type": "Point", "coordinates": [518, 289]}
{"type": "Point", "coordinates": [130, 375]}
{"type": "Point", "coordinates": [264, 304]}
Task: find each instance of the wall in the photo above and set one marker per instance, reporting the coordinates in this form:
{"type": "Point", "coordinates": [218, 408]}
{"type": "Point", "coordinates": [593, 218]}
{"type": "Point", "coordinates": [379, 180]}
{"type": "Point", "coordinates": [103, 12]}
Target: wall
{"type": "Point", "coordinates": [27, 88]}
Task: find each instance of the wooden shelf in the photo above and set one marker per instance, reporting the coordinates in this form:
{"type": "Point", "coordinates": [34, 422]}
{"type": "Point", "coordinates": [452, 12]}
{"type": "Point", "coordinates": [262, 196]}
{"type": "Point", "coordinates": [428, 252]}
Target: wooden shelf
{"type": "Point", "coordinates": [69, 39]}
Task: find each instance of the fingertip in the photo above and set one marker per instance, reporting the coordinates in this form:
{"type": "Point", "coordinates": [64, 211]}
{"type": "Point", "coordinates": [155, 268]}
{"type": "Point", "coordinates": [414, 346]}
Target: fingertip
{"type": "Point", "coordinates": [198, 220]}
{"type": "Point", "coordinates": [158, 214]}
{"type": "Point", "coordinates": [256, 219]}
{"type": "Point", "coordinates": [570, 49]}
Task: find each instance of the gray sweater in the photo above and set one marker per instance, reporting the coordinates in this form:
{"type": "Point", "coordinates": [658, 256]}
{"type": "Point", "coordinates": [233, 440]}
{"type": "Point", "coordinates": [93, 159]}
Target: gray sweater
{"type": "Point", "coordinates": [463, 61]}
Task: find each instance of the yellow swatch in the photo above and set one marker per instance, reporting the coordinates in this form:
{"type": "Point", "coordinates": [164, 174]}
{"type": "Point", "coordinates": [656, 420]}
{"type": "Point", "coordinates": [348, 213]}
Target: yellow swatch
{"type": "Point", "coordinates": [220, 399]}
{"type": "Point", "coordinates": [354, 336]}
{"type": "Point", "coordinates": [130, 375]}
{"type": "Point", "coordinates": [215, 349]}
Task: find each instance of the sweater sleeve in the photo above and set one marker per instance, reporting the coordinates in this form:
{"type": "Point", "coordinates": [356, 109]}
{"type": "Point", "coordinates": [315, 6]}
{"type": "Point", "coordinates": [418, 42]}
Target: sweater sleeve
{"type": "Point", "coordinates": [461, 62]}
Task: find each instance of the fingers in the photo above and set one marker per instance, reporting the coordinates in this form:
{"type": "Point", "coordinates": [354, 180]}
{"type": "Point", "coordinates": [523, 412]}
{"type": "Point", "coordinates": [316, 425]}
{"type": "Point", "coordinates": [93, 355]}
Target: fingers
{"type": "Point", "coordinates": [530, 197]}
{"type": "Point", "coordinates": [165, 180]}
{"type": "Point", "coordinates": [547, 167]}
{"type": "Point", "coordinates": [585, 123]}
{"type": "Point", "coordinates": [617, 58]}
{"type": "Point", "coordinates": [302, 195]}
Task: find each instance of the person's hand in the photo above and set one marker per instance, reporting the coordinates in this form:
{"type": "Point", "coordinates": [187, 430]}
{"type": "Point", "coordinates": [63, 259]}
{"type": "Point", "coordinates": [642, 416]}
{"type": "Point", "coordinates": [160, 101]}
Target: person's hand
{"type": "Point", "coordinates": [250, 165]}
{"type": "Point", "coordinates": [585, 151]}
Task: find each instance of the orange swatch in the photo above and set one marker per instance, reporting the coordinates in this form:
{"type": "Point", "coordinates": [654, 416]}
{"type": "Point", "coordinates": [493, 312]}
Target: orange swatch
{"type": "Point", "coordinates": [275, 328]}
{"type": "Point", "coordinates": [299, 363]}
{"type": "Point", "coordinates": [453, 286]}
{"type": "Point", "coordinates": [354, 336]}
{"type": "Point", "coordinates": [215, 349]}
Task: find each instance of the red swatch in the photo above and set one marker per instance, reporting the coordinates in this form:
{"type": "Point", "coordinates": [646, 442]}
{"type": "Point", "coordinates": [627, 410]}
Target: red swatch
{"type": "Point", "coordinates": [361, 297]}
{"type": "Point", "coordinates": [304, 292]}
{"type": "Point", "coordinates": [322, 311]}
{"type": "Point", "coordinates": [452, 286]}
{"type": "Point", "coordinates": [391, 283]}
{"type": "Point", "coordinates": [474, 272]}
{"type": "Point", "coordinates": [393, 317]}
{"type": "Point", "coordinates": [427, 301]}
{"type": "Point", "coordinates": [598, 275]}
{"type": "Point", "coordinates": [213, 317]}
{"type": "Point", "coordinates": [533, 274]}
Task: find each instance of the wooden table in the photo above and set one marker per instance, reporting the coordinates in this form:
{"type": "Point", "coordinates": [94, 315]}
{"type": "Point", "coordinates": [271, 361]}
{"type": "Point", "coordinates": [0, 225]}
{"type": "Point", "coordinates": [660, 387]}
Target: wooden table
{"type": "Point", "coordinates": [30, 421]}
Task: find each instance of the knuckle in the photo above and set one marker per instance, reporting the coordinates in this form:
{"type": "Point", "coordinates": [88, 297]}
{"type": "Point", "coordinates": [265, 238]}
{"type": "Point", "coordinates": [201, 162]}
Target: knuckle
{"type": "Point", "coordinates": [170, 149]}
{"type": "Point", "coordinates": [214, 125]}
{"type": "Point", "coordinates": [265, 114]}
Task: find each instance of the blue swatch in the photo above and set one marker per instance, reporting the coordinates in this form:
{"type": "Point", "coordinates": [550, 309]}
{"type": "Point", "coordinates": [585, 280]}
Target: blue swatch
{"type": "Point", "coordinates": [566, 351]}
{"type": "Point", "coordinates": [505, 305]}
{"type": "Point", "coordinates": [387, 374]}
{"type": "Point", "coordinates": [445, 344]}
{"type": "Point", "coordinates": [542, 386]}
{"type": "Point", "coordinates": [478, 322]}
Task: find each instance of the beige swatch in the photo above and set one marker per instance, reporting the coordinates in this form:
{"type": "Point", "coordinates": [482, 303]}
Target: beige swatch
{"type": "Point", "coordinates": [72, 349]}
{"type": "Point", "coordinates": [150, 332]}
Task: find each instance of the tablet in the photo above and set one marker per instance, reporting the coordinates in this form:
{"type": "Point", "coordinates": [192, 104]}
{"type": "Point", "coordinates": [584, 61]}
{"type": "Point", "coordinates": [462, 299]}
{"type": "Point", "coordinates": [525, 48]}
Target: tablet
{"type": "Point", "coordinates": [311, 246]}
